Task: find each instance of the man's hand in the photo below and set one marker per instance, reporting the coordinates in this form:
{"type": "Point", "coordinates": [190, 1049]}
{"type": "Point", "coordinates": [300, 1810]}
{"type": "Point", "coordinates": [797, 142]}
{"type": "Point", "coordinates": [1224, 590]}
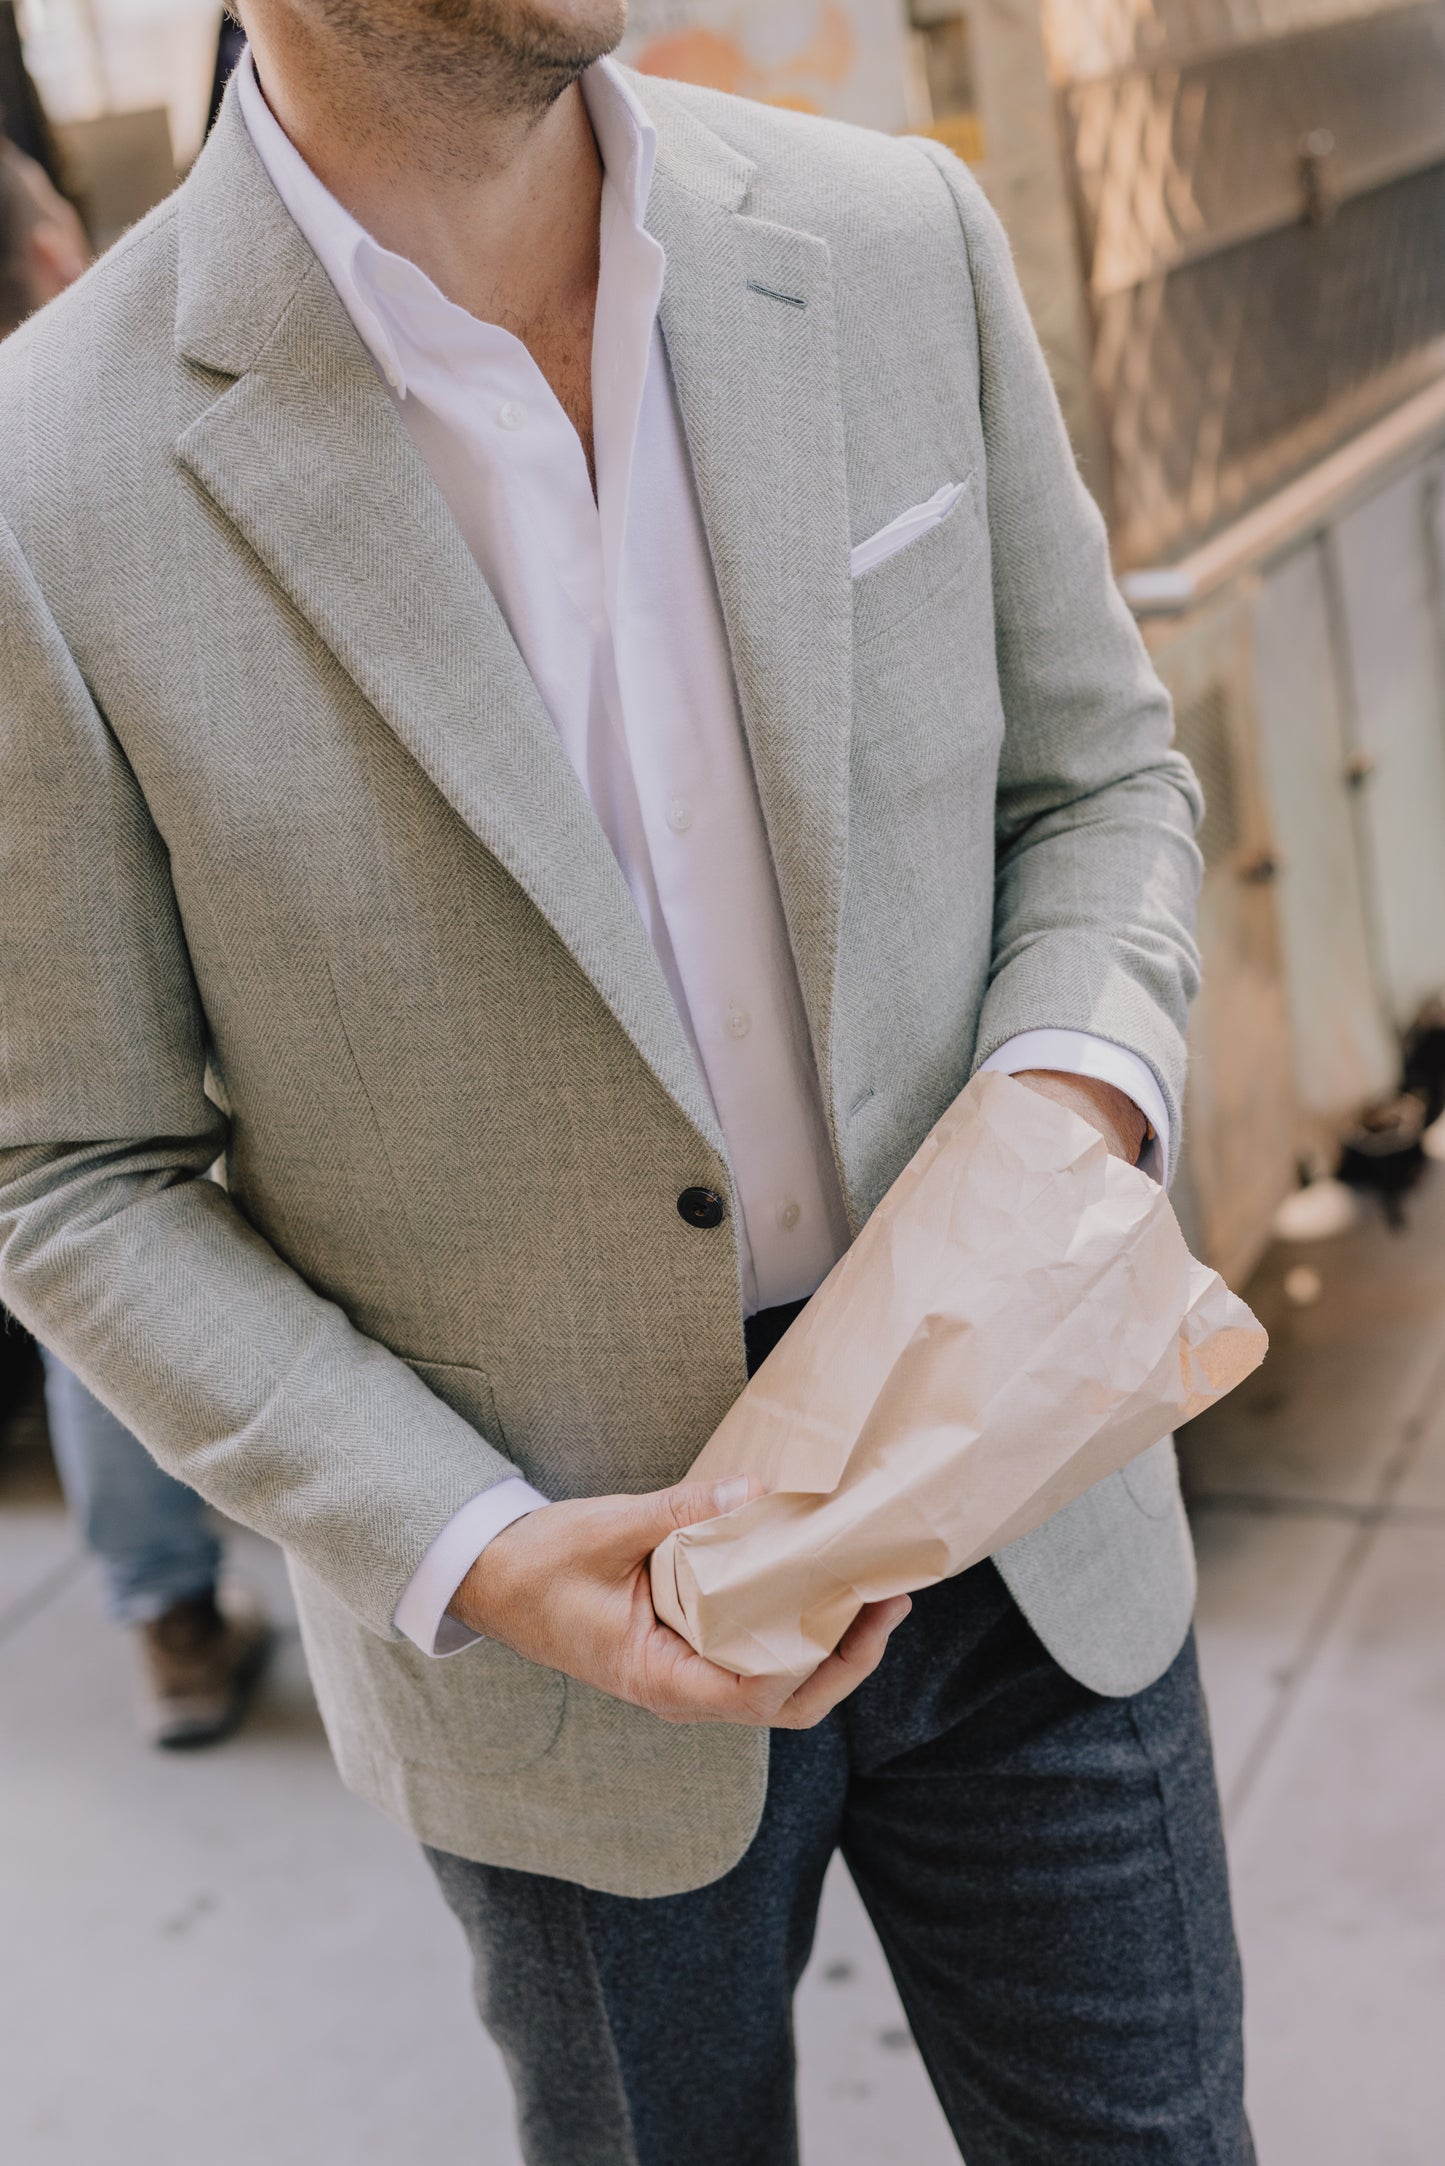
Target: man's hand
{"type": "Point", "coordinates": [1117, 1118]}
{"type": "Point", "coordinates": [568, 1586]}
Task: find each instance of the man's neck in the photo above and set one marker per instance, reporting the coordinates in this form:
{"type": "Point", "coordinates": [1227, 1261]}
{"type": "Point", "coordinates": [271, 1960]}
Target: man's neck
{"type": "Point", "coordinates": [501, 209]}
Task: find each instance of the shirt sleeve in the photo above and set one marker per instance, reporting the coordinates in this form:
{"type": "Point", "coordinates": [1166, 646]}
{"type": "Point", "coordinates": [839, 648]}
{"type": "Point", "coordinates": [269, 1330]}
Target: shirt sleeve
{"type": "Point", "coordinates": [421, 1614]}
{"type": "Point", "coordinates": [1077, 1052]}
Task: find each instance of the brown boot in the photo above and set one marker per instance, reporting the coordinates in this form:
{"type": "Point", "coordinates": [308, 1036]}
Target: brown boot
{"type": "Point", "coordinates": [199, 1665]}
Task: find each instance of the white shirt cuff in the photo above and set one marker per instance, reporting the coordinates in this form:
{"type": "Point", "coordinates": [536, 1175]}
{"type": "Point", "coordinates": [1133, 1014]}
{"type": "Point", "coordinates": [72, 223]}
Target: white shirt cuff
{"type": "Point", "coordinates": [1078, 1052]}
{"type": "Point", "coordinates": [421, 1614]}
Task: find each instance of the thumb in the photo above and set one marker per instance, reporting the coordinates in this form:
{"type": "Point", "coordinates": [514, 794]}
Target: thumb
{"type": "Point", "coordinates": [655, 1516]}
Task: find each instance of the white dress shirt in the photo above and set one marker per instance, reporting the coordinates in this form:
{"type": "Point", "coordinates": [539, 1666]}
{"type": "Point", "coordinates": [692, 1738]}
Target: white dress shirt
{"type": "Point", "coordinates": [613, 606]}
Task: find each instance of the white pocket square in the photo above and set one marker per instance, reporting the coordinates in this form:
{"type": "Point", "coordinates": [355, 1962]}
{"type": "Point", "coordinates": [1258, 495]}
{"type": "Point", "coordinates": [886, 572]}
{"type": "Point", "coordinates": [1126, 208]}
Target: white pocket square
{"type": "Point", "coordinates": [906, 528]}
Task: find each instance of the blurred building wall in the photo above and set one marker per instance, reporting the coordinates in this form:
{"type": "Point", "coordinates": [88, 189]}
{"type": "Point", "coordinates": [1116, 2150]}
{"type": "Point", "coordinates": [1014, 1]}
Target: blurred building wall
{"type": "Point", "coordinates": [90, 57]}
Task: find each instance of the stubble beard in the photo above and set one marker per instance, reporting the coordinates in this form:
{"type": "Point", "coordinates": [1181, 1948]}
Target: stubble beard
{"type": "Point", "coordinates": [446, 64]}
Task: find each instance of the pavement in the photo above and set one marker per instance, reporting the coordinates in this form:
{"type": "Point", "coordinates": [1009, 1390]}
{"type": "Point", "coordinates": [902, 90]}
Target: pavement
{"type": "Point", "coordinates": [224, 1957]}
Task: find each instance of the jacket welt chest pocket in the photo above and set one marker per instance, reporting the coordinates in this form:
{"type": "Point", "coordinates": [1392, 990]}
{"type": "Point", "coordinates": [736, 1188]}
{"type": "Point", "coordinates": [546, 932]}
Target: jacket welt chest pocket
{"type": "Point", "coordinates": [919, 567]}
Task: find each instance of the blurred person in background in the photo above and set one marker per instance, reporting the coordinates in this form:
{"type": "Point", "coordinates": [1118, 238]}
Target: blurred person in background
{"type": "Point", "coordinates": [43, 248]}
{"type": "Point", "coordinates": [151, 1536]}
{"type": "Point", "coordinates": [564, 694]}
{"type": "Point", "coordinates": [160, 1562]}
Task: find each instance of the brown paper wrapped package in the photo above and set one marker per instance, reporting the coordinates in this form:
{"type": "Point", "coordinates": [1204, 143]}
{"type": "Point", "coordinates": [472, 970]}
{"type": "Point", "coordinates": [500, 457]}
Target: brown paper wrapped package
{"type": "Point", "coordinates": [1019, 1317]}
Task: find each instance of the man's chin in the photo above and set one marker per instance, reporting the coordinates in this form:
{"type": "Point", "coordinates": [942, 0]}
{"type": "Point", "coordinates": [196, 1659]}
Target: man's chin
{"type": "Point", "coordinates": [586, 33]}
{"type": "Point", "coordinates": [566, 35]}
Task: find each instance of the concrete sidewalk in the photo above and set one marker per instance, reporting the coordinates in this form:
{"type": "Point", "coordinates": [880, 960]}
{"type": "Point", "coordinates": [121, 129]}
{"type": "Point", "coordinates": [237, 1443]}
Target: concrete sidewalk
{"type": "Point", "coordinates": [225, 1959]}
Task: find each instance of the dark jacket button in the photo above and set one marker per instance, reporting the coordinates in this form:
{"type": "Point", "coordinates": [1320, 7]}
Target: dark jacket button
{"type": "Point", "coordinates": [701, 1207]}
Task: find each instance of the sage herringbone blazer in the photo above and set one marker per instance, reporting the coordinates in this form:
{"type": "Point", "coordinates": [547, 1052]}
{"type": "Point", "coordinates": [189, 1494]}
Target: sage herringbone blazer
{"type": "Point", "coordinates": [293, 869]}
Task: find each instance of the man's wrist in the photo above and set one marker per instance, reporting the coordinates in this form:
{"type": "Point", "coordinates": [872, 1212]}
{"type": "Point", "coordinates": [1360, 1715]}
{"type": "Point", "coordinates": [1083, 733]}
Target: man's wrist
{"type": "Point", "coordinates": [1104, 1106]}
{"type": "Point", "coordinates": [425, 1614]}
{"type": "Point", "coordinates": [1072, 1054]}
{"type": "Point", "coordinates": [482, 1597]}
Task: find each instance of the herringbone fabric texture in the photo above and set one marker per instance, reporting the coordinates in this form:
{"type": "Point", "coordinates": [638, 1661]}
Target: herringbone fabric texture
{"type": "Point", "coordinates": [293, 870]}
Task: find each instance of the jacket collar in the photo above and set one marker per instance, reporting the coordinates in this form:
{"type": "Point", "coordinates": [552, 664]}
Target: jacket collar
{"type": "Point", "coordinates": [242, 255]}
{"type": "Point", "coordinates": [380, 289]}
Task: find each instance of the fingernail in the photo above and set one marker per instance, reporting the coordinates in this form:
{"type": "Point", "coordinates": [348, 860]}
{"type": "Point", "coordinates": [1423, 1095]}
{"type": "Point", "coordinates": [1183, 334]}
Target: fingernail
{"type": "Point", "coordinates": [730, 1494]}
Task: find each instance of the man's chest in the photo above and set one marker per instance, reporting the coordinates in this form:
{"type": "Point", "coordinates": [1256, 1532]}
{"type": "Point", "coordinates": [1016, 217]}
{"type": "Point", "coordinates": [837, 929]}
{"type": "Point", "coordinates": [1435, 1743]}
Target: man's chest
{"type": "Point", "coordinates": [558, 337]}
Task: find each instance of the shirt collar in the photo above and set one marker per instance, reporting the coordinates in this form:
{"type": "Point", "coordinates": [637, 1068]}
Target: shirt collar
{"type": "Point", "coordinates": [371, 279]}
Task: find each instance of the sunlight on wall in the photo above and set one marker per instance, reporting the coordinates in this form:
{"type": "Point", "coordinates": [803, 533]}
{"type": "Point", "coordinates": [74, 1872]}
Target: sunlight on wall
{"type": "Point", "coordinates": [847, 58]}
{"type": "Point", "coordinates": [98, 56]}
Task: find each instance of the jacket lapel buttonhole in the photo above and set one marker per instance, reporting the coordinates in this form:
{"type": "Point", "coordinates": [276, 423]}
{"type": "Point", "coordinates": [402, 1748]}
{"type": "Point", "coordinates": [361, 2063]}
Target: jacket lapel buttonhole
{"type": "Point", "coordinates": [771, 293]}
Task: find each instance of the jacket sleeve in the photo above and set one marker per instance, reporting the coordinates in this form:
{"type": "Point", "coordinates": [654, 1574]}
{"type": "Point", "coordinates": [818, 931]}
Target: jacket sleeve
{"type": "Point", "coordinates": [114, 1247]}
{"type": "Point", "coordinates": [1097, 871]}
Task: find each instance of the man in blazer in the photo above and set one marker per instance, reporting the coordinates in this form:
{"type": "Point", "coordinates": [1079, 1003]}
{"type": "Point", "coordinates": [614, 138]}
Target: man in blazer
{"type": "Point", "coordinates": [561, 694]}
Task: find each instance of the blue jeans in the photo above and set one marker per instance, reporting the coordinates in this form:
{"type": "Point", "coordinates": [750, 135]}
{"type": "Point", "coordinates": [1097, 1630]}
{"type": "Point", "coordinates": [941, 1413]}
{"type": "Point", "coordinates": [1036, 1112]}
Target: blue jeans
{"type": "Point", "coordinates": [1045, 1870]}
{"type": "Point", "coordinates": [148, 1532]}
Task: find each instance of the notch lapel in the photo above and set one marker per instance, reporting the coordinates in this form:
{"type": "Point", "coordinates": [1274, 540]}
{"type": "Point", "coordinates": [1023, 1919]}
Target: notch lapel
{"type": "Point", "coordinates": [306, 456]}
{"type": "Point", "coordinates": [748, 318]}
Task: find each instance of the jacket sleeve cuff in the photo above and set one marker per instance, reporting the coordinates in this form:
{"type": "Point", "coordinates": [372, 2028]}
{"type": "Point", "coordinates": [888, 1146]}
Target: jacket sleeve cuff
{"type": "Point", "coordinates": [421, 1614]}
{"type": "Point", "coordinates": [1077, 1052]}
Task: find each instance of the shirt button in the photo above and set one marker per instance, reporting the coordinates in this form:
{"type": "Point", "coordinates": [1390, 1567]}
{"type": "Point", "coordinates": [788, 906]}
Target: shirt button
{"type": "Point", "coordinates": [511, 414]}
{"type": "Point", "coordinates": [701, 1207]}
{"type": "Point", "coordinates": [739, 1022]}
{"type": "Point", "coordinates": [679, 815]}
{"type": "Point", "coordinates": [789, 1215]}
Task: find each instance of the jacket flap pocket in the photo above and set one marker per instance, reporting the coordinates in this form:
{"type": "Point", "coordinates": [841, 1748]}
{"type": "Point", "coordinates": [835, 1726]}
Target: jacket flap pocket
{"type": "Point", "coordinates": [486, 1711]}
{"type": "Point", "coordinates": [466, 1391]}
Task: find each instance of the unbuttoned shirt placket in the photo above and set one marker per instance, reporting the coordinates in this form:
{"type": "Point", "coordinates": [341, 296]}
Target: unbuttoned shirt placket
{"type": "Point", "coordinates": [716, 878]}
{"type": "Point", "coordinates": [711, 866]}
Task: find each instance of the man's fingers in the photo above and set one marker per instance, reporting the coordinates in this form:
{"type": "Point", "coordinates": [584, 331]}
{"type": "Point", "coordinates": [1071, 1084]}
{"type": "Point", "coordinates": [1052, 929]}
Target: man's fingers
{"type": "Point", "coordinates": [856, 1656]}
{"type": "Point", "coordinates": [682, 1685]}
{"type": "Point", "coordinates": [643, 1522]}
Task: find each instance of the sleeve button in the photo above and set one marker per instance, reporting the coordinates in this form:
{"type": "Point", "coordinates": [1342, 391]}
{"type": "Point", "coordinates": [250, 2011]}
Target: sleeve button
{"type": "Point", "coordinates": [701, 1207]}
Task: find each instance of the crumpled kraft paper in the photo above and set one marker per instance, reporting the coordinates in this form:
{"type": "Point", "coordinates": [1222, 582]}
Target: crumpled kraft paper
{"type": "Point", "coordinates": [1019, 1317]}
